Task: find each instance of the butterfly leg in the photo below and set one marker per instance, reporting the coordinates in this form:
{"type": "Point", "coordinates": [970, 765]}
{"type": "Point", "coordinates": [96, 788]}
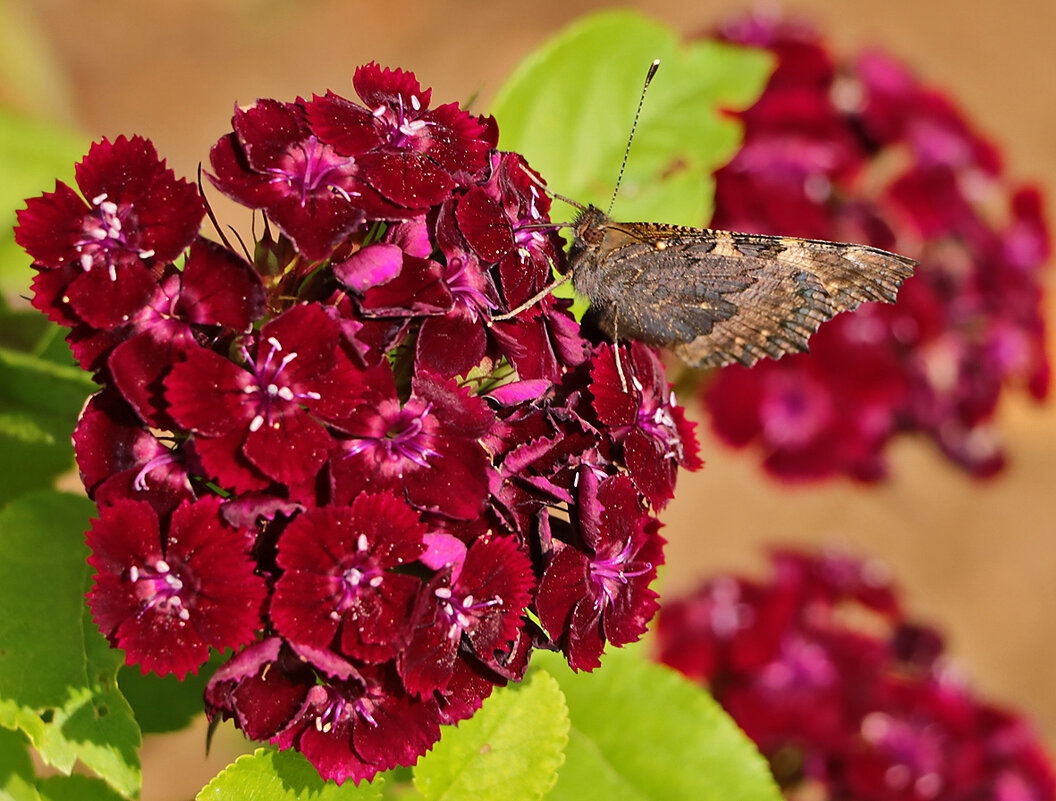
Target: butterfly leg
{"type": "Point", "coordinates": [564, 279]}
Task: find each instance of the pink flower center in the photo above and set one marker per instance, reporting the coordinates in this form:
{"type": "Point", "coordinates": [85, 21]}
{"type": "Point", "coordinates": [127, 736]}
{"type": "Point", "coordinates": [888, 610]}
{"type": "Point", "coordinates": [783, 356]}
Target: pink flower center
{"type": "Point", "coordinates": [404, 438]}
{"type": "Point", "coordinates": [272, 391]}
{"type": "Point", "coordinates": [158, 588]}
{"type": "Point", "coordinates": [612, 574]}
{"type": "Point", "coordinates": [103, 239]}
{"type": "Point", "coordinates": [312, 167]}
{"type": "Point", "coordinates": [462, 614]}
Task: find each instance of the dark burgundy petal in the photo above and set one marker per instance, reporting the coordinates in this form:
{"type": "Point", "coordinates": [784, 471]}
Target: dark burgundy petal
{"type": "Point", "coordinates": [233, 176]}
{"type": "Point", "coordinates": [349, 127]}
{"type": "Point", "coordinates": [458, 142]}
{"type": "Point", "coordinates": [291, 449]}
{"type": "Point", "coordinates": [206, 393]}
{"type": "Point", "coordinates": [450, 345]}
{"type": "Point", "coordinates": [316, 224]}
{"type": "Point", "coordinates": [223, 461]}
{"type": "Point", "coordinates": [265, 131]}
{"type": "Point", "coordinates": [377, 87]}
{"type": "Point", "coordinates": [137, 367]}
{"type": "Point", "coordinates": [462, 415]}
{"type": "Point", "coordinates": [50, 225]}
{"type": "Point", "coordinates": [406, 177]}
{"type": "Point", "coordinates": [49, 295]}
{"type": "Point", "coordinates": [419, 289]}
{"type": "Point", "coordinates": [105, 300]}
{"type": "Point", "coordinates": [454, 484]}
{"type": "Point", "coordinates": [483, 224]}
{"type": "Point", "coordinates": [219, 288]}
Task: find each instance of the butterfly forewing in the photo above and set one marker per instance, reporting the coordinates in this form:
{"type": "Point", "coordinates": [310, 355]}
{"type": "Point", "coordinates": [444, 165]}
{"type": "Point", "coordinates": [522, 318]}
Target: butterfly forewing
{"type": "Point", "coordinates": [716, 297]}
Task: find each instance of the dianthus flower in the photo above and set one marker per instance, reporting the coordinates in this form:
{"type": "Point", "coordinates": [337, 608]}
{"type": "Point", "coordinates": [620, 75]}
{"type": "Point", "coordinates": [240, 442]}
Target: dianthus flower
{"type": "Point", "coordinates": [846, 696]}
{"type": "Point", "coordinates": [863, 152]}
{"type": "Point", "coordinates": [329, 455]}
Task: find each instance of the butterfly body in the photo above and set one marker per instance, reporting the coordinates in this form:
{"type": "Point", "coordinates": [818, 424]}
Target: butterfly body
{"type": "Point", "coordinates": [716, 297]}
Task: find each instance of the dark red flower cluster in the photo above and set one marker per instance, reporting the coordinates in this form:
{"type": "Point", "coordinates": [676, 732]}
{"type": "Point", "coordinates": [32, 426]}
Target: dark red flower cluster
{"type": "Point", "coordinates": [328, 454]}
{"type": "Point", "coordinates": [845, 696]}
{"type": "Point", "coordinates": [863, 152]}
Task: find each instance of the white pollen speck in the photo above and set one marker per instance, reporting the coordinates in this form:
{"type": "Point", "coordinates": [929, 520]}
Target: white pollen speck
{"type": "Point", "coordinates": [161, 566]}
{"type": "Point", "coordinates": [468, 601]}
{"type": "Point", "coordinates": [362, 543]}
{"type": "Point", "coordinates": [286, 393]}
{"type": "Point", "coordinates": [256, 423]}
{"type": "Point", "coordinates": [442, 592]}
{"type": "Point", "coordinates": [146, 254]}
{"type": "Point", "coordinates": [312, 395]}
{"type": "Point", "coordinates": [416, 104]}
{"type": "Point", "coordinates": [334, 615]}
{"type": "Point", "coordinates": [184, 614]}
{"type": "Point", "coordinates": [376, 581]}
{"type": "Point", "coordinates": [133, 573]}
{"type": "Point", "coordinates": [98, 199]}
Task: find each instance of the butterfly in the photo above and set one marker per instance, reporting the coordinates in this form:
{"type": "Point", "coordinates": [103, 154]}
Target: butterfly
{"type": "Point", "coordinates": [716, 297]}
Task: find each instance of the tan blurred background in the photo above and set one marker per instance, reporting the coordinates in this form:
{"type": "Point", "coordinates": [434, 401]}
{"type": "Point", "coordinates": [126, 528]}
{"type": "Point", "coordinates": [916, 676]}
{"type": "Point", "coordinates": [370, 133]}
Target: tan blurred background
{"type": "Point", "coordinates": [977, 558]}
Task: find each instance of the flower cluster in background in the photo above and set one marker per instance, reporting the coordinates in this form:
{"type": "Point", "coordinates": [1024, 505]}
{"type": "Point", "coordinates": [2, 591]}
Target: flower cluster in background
{"type": "Point", "coordinates": [844, 694]}
{"type": "Point", "coordinates": [325, 452]}
{"type": "Point", "coordinates": [863, 152]}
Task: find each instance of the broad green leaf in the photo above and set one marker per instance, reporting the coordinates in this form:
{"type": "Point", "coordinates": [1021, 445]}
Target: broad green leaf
{"type": "Point", "coordinates": [642, 732]}
{"type": "Point", "coordinates": [76, 788]}
{"type": "Point", "coordinates": [510, 750]}
{"type": "Point", "coordinates": [17, 777]}
{"type": "Point", "coordinates": [280, 776]}
{"type": "Point", "coordinates": [39, 405]}
{"type": "Point", "coordinates": [42, 580]}
{"type": "Point", "coordinates": [58, 676]}
{"type": "Point", "coordinates": [569, 107]}
{"type": "Point", "coordinates": [33, 154]}
{"type": "Point", "coordinates": [164, 703]}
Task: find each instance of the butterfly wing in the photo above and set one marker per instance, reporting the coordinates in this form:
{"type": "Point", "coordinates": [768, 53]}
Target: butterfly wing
{"type": "Point", "coordinates": [716, 297]}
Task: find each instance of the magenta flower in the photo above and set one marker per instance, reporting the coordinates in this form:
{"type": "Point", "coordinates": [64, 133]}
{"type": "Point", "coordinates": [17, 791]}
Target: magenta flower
{"type": "Point", "coordinates": [251, 423]}
{"type": "Point", "coordinates": [601, 593]}
{"type": "Point", "coordinates": [335, 456]}
{"type": "Point", "coordinates": [167, 593]}
{"type": "Point", "coordinates": [863, 151]}
{"type": "Point", "coordinates": [849, 710]}
{"type": "Point", "coordinates": [97, 256]}
{"type": "Point", "coordinates": [339, 579]}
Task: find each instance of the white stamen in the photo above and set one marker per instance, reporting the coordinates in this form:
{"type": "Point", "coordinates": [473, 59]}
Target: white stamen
{"type": "Point", "coordinates": [256, 423]}
{"type": "Point", "coordinates": [275, 343]}
{"type": "Point", "coordinates": [362, 543]}
{"type": "Point", "coordinates": [311, 395]}
{"type": "Point", "coordinates": [416, 104]}
{"type": "Point", "coordinates": [184, 615]}
{"type": "Point", "coordinates": [286, 394]}
{"type": "Point", "coordinates": [161, 566]}
{"type": "Point", "coordinates": [442, 592]}
{"type": "Point", "coordinates": [133, 573]}
{"type": "Point", "coordinates": [380, 111]}
{"type": "Point", "coordinates": [376, 581]}
{"type": "Point", "coordinates": [147, 254]}
{"type": "Point", "coordinates": [98, 199]}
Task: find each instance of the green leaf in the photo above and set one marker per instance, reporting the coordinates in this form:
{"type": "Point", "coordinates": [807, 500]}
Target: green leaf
{"type": "Point", "coordinates": [32, 155]}
{"type": "Point", "coordinates": [57, 673]}
{"type": "Point", "coordinates": [39, 405]}
{"type": "Point", "coordinates": [76, 788]}
{"type": "Point", "coordinates": [17, 777]}
{"type": "Point", "coordinates": [510, 750]}
{"type": "Point", "coordinates": [281, 776]}
{"type": "Point", "coordinates": [164, 703]}
{"type": "Point", "coordinates": [569, 107]}
{"type": "Point", "coordinates": [641, 731]}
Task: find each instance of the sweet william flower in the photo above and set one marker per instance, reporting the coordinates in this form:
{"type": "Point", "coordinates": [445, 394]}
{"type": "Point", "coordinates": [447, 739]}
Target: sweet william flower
{"type": "Point", "coordinates": [863, 151]}
{"type": "Point", "coordinates": [845, 695]}
{"type": "Point", "coordinates": [339, 580]}
{"type": "Point", "coordinates": [347, 433]}
{"type": "Point", "coordinates": [168, 591]}
{"type": "Point", "coordinates": [95, 254]}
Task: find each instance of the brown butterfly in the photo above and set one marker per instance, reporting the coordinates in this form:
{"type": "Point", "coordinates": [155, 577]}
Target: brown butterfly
{"type": "Point", "coordinates": [716, 297]}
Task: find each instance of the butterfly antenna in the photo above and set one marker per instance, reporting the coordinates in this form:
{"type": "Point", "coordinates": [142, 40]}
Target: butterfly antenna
{"type": "Point", "coordinates": [634, 126]}
{"type": "Point", "coordinates": [536, 180]}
